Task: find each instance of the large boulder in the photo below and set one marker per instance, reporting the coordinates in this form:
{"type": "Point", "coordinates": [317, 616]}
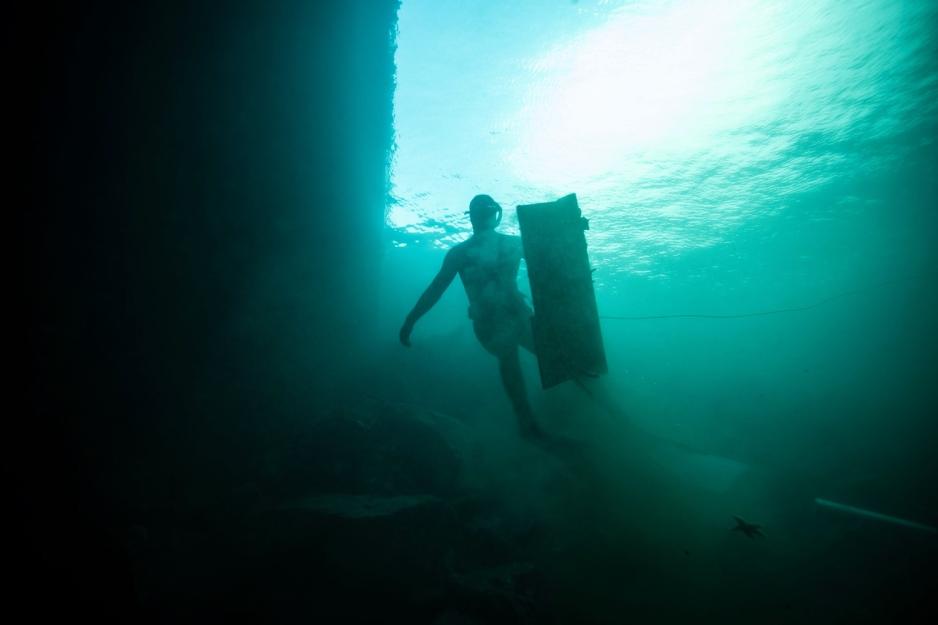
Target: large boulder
{"type": "Point", "coordinates": [374, 448]}
{"type": "Point", "coordinates": [362, 515]}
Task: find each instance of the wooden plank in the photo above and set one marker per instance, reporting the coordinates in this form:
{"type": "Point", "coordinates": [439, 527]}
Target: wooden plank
{"type": "Point", "coordinates": [567, 336]}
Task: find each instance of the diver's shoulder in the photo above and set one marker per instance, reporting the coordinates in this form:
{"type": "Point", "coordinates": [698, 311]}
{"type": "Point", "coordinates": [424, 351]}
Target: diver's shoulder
{"type": "Point", "coordinates": [459, 248]}
{"type": "Point", "coordinates": [512, 240]}
{"type": "Point", "coordinates": [458, 251]}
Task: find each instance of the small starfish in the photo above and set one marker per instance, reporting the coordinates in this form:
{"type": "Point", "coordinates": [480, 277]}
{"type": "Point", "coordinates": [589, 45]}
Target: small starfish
{"type": "Point", "coordinates": [749, 529]}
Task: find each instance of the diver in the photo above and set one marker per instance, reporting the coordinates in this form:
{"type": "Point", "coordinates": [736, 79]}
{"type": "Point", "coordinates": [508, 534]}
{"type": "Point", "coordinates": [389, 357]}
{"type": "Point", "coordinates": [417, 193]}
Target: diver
{"type": "Point", "coordinates": [487, 264]}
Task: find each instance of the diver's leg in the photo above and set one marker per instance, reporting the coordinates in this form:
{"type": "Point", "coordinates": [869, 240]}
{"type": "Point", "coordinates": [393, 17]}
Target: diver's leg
{"type": "Point", "coordinates": [509, 366]}
{"type": "Point", "coordinates": [526, 333]}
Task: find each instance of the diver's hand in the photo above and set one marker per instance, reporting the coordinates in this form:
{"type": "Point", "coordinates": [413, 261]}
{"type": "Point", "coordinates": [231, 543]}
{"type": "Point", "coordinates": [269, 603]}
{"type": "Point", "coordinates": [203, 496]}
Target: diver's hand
{"type": "Point", "coordinates": [404, 335]}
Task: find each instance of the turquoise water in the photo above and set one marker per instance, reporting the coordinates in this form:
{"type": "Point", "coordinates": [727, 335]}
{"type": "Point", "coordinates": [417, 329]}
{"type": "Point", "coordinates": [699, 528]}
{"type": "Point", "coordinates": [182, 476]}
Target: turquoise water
{"type": "Point", "coordinates": [759, 179]}
{"type": "Point", "coordinates": [682, 126]}
{"type": "Point", "coordinates": [733, 157]}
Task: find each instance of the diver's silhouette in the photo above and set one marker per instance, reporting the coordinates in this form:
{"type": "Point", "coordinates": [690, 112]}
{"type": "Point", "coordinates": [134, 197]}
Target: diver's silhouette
{"type": "Point", "coordinates": [487, 264]}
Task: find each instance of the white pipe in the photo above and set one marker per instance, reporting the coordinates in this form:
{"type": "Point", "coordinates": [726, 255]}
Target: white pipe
{"type": "Point", "coordinates": [869, 514]}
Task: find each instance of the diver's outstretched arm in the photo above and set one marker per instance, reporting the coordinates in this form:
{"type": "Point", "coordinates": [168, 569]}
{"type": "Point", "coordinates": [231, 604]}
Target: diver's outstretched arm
{"type": "Point", "coordinates": [431, 296]}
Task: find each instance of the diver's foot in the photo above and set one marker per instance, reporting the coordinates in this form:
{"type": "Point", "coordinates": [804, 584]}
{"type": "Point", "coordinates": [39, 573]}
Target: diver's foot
{"type": "Point", "coordinates": [573, 453]}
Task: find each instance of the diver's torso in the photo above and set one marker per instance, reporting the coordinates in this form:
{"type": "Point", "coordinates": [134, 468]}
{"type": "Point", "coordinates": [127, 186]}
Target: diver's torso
{"type": "Point", "coordinates": [488, 269]}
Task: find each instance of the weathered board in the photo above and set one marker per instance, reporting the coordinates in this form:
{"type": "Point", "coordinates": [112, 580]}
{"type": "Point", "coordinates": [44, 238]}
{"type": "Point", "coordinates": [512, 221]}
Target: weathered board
{"type": "Point", "coordinates": [567, 337]}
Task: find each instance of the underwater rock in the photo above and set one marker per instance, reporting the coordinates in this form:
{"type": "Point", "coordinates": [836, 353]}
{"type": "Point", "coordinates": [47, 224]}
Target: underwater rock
{"type": "Point", "coordinates": [504, 593]}
{"type": "Point", "coordinates": [357, 506]}
{"type": "Point", "coordinates": [454, 617]}
{"type": "Point", "coordinates": [363, 517]}
{"type": "Point", "coordinates": [429, 553]}
{"type": "Point", "coordinates": [372, 448]}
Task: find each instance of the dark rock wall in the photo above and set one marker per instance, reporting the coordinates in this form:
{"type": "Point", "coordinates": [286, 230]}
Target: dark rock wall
{"type": "Point", "coordinates": [208, 184]}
